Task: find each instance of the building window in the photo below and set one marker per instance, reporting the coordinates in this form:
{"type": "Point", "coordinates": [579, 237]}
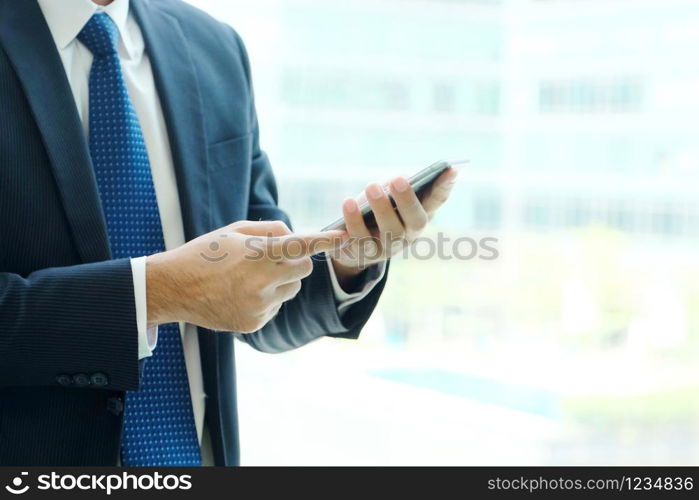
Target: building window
{"type": "Point", "coordinates": [622, 95]}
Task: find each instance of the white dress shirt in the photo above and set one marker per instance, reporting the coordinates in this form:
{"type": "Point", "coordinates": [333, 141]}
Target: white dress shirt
{"type": "Point", "coordinates": [65, 19]}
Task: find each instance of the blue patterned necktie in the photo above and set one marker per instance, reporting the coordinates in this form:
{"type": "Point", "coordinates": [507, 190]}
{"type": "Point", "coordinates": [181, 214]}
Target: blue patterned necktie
{"type": "Point", "coordinates": [159, 425]}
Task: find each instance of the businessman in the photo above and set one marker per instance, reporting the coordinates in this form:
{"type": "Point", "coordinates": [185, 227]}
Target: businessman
{"type": "Point", "coordinates": [132, 190]}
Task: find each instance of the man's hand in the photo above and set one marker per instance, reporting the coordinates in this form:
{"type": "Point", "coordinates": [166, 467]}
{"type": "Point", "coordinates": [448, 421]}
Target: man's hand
{"type": "Point", "coordinates": [394, 229]}
{"type": "Point", "coordinates": [234, 279]}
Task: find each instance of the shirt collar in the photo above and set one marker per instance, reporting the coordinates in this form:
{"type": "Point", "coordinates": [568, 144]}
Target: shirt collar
{"type": "Point", "coordinates": [66, 18]}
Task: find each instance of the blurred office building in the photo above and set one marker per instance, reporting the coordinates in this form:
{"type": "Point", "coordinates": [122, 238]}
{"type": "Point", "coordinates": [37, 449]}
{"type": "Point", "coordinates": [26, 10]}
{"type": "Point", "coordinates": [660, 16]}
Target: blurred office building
{"type": "Point", "coordinates": [580, 342]}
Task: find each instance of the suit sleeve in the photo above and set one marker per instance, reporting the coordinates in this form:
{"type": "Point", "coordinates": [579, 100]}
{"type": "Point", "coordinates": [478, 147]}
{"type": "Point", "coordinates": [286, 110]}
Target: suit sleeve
{"type": "Point", "coordinates": [313, 313]}
{"type": "Point", "coordinates": [59, 322]}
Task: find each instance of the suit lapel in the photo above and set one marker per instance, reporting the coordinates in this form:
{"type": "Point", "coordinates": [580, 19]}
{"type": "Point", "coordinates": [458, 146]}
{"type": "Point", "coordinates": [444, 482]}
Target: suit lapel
{"type": "Point", "coordinates": [28, 43]}
{"type": "Point", "coordinates": [175, 79]}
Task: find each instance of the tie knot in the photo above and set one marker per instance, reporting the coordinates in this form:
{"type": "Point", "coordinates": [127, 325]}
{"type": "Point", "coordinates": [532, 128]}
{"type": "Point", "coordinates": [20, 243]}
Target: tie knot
{"type": "Point", "coordinates": [100, 35]}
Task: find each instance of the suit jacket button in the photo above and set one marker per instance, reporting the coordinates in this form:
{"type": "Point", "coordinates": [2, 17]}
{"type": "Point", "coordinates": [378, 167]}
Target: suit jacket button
{"type": "Point", "coordinates": [99, 379]}
{"type": "Point", "coordinates": [64, 380]}
{"type": "Point", "coordinates": [81, 380]}
{"type": "Point", "coordinates": [115, 405]}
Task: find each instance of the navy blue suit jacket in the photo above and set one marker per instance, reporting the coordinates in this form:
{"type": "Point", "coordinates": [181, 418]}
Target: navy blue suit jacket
{"type": "Point", "coordinates": [68, 336]}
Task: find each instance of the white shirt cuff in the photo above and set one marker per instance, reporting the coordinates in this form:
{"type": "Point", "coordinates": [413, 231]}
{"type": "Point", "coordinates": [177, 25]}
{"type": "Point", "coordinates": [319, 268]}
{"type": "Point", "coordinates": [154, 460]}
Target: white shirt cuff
{"type": "Point", "coordinates": [147, 337]}
{"type": "Point", "coordinates": [344, 299]}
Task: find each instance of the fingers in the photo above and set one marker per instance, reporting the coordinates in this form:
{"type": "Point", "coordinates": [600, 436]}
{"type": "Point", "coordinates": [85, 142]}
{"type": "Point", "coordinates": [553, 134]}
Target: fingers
{"type": "Point", "coordinates": [386, 217]}
{"type": "Point", "coordinates": [357, 230]}
{"type": "Point", "coordinates": [354, 220]}
{"type": "Point", "coordinates": [298, 246]}
{"type": "Point", "coordinates": [287, 291]}
{"type": "Point", "coordinates": [439, 192]}
{"type": "Point", "coordinates": [293, 270]}
{"type": "Point", "coordinates": [411, 211]}
{"type": "Point", "coordinates": [265, 228]}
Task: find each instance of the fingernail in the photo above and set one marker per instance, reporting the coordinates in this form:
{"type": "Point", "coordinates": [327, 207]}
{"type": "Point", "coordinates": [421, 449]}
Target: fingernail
{"type": "Point", "coordinates": [374, 191]}
{"type": "Point", "coordinates": [401, 184]}
{"type": "Point", "coordinates": [350, 205]}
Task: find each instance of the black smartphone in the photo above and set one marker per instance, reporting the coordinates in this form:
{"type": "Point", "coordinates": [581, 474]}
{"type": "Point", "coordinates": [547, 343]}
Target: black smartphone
{"type": "Point", "coordinates": [420, 182]}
